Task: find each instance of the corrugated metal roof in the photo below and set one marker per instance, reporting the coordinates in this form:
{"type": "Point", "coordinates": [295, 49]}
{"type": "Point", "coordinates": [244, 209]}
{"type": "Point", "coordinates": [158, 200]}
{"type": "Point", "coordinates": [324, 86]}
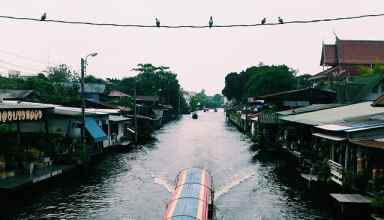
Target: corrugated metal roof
{"type": "Point", "coordinates": [117, 118]}
{"type": "Point", "coordinates": [21, 106]}
{"type": "Point", "coordinates": [329, 137]}
{"type": "Point", "coordinates": [14, 94]}
{"type": "Point", "coordinates": [63, 110]}
{"type": "Point", "coordinates": [355, 124]}
{"type": "Point", "coordinates": [309, 108]}
{"type": "Point", "coordinates": [370, 143]}
{"type": "Point", "coordinates": [334, 114]}
{"type": "Point", "coordinates": [72, 111]}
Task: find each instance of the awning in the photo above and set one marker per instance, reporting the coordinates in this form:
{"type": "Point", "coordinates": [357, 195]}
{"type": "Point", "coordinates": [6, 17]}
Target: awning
{"type": "Point", "coordinates": [118, 118]}
{"type": "Point", "coordinates": [370, 143]}
{"type": "Point", "coordinates": [329, 137]}
{"type": "Point", "coordinates": [94, 130]}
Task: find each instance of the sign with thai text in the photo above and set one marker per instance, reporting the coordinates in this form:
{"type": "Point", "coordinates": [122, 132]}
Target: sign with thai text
{"type": "Point", "coordinates": [20, 115]}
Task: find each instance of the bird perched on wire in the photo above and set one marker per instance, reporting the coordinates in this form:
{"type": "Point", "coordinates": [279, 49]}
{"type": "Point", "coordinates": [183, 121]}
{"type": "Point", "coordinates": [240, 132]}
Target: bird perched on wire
{"type": "Point", "coordinates": [280, 20]}
{"type": "Point", "coordinates": [157, 22]}
{"type": "Point", "coordinates": [43, 17]}
{"type": "Point", "coordinates": [210, 22]}
{"type": "Point", "coordinates": [263, 21]}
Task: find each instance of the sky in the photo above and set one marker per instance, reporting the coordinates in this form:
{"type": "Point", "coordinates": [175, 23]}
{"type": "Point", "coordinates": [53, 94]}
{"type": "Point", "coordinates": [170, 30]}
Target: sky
{"type": "Point", "coordinates": [200, 57]}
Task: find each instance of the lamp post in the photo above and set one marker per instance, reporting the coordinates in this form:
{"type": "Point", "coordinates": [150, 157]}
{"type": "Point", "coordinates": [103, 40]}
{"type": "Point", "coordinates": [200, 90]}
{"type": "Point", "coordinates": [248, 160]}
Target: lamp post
{"type": "Point", "coordinates": [83, 65]}
{"type": "Point", "coordinates": [135, 115]}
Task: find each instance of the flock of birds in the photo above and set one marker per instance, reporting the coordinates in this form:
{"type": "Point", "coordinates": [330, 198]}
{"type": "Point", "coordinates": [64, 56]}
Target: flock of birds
{"type": "Point", "coordinates": [210, 23]}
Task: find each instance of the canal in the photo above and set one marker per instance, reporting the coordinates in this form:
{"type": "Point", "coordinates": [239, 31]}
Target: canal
{"type": "Point", "coordinates": [136, 185]}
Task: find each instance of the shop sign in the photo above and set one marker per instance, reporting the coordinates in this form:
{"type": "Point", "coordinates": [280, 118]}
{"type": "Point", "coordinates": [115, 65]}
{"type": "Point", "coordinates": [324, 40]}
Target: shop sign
{"type": "Point", "coordinates": [20, 115]}
{"type": "Point", "coordinates": [46, 176]}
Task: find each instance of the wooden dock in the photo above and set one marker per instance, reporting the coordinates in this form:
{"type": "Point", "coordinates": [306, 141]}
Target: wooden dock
{"type": "Point", "coordinates": [351, 206]}
{"type": "Point", "coordinates": [20, 181]}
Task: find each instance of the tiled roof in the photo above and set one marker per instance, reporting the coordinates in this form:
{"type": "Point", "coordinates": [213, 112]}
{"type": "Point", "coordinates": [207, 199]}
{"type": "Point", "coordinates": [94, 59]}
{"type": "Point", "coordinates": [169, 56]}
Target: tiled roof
{"type": "Point", "coordinates": [360, 52]}
{"type": "Point", "coordinates": [117, 93]}
{"type": "Point", "coordinates": [356, 52]}
{"type": "Point", "coordinates": [328, 54]}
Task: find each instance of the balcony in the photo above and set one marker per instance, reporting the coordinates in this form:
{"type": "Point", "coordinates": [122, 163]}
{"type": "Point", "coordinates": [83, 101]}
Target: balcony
{"type": "Point", "coordinates": [336, 171]}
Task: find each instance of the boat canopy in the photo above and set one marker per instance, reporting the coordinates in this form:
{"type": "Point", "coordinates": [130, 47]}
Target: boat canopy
{"type": "Point", "coordinates": [191, 197]}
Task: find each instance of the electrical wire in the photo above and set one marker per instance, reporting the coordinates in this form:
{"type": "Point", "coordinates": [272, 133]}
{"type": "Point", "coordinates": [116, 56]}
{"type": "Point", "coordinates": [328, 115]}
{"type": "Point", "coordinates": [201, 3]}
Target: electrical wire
{"type": "Point", "coordinates": [21, 57]}
{"type": "Point", "coordinates": [19, 66]}
{"type": "Point", "coordinates": [193, 26]}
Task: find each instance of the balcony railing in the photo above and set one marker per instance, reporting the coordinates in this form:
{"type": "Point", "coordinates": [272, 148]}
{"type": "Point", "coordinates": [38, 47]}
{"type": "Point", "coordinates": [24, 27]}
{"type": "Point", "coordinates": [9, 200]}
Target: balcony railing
{"type": "Point", "coordinates": [269, 118]}
{"type": "Point", "coordinates": [336, 171]}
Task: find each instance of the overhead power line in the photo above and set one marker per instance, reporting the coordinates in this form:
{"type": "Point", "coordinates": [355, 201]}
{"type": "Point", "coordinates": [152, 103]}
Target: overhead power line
{"type": "Point", "coordinates": [193, 26]}
{"type": "Point", "coordinates": [13, 65]}
{"type": "Point", "coordinates": [22, 57]}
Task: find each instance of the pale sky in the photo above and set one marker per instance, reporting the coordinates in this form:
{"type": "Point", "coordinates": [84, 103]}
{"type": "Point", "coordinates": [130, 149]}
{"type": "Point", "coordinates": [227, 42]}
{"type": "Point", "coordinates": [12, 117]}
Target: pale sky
{"type": "Point", "coordinates": [201, 58]}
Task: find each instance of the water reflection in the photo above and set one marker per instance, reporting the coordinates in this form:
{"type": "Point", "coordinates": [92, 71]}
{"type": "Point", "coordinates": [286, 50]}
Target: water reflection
{"type": "Point", "coordinates": [137, 184]}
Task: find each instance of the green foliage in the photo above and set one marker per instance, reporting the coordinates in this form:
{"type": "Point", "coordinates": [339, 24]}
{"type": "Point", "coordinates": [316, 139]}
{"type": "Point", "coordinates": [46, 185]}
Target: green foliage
{"type": "Point", "coordinates": [152, 81]}
{"type": "Point", "coordinates": [201, 100]}
{"type": "Point", "coordinates": [374, 70]}
{"type": "Point", "coordinates": [260, 80]}
{"type": "Point", "coordinates": [59, 87]}
{"type": "Point", "coordinates": [233, 86]}
{"type": "Point", "coordinates": [62, 73]}
{"type": "Point", "coordinates": [270, 79]}
{"type": "Point", "coordinates": [303, 81]}
{"type": "Point", "coordinates": [92, 79]}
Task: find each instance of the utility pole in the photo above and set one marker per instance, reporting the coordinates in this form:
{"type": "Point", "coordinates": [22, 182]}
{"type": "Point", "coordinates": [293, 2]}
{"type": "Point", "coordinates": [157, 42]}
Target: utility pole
{"type": "Point", "coordinates": [179, 107]}
{"type": "Point", "coordinates": [135, 115]}
{"type": "Point", "coordinates": [82, 105]}
{"type": "Point", "coordinates": [82, 131]}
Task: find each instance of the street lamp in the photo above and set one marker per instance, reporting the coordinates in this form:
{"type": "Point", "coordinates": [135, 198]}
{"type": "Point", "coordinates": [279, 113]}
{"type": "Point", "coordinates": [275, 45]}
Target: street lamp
{"type": "Point", "coordinates": [83, 65]}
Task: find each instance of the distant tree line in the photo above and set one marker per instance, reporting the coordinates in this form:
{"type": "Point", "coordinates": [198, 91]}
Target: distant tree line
{"type": "Point", "coordinates": [152, 81]}
{"type": "Point", "coordinates": [201, 100]}
{"type": "Point", "coordinates": [261, 80]}
{"type": "Point", "coordinates": [60, 85]}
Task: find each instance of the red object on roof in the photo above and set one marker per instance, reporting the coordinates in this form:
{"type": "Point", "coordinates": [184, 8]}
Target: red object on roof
{"type": "Point", "coordinates": [355, 52]}
{"type": "Point", "coordinates": [328, 55]}
{"type": "Point", "coordinates": [117, 93]}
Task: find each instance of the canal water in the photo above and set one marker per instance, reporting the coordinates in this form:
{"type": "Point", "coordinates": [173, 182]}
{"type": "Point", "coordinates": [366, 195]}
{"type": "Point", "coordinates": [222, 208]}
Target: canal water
{"type": "Point", "coordinates": [135, 185]}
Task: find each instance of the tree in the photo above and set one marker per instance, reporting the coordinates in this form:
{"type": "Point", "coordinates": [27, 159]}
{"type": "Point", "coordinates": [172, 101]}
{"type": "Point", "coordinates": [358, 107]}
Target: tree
{"type": "Point", "coordinates": [375, 69]}
{"type": "Point", "coordinates": [62, 73]}
{"type": "Point", "coordinates": [152, 81]}
{"type": "Point", "coordinates": [270, 79]}
{"type": "Point", "coordinates": [201, 100]}
{"type": "Point", "coordinates": [303, 81]}
{"type": "Point", "coordinates": [233, 86]}
{"type": "Point", "coordinates": [92, 79]}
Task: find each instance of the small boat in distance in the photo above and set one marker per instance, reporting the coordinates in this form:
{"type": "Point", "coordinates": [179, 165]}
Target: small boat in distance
{"type": "Point", "coordinates": [194, 115]}
{"type": "Point", "coordinates": [193, 197]}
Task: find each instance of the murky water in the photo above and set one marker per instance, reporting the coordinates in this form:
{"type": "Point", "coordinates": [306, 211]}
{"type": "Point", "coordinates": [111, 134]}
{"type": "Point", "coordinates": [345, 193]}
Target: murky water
{"type": "Point", "coordinates": [137, 184]}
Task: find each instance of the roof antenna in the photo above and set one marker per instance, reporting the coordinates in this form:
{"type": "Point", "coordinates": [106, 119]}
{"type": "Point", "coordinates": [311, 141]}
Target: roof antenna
{"type": "Point", "coordinates": [334, 33]}
{"type": "Point", "coordinates": [323, 51]}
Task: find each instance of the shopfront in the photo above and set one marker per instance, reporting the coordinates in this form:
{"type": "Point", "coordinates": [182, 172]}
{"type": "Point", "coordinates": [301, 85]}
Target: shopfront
{"type": "Point", "coordinates": [24, 145]}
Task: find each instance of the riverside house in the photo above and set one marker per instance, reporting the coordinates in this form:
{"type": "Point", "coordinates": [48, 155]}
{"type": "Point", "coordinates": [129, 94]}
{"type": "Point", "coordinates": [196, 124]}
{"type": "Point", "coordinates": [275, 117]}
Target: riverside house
{"type": "Point", "coordinates": [41, 141]}
{"type": "Point", "coordinates": [325, 137]}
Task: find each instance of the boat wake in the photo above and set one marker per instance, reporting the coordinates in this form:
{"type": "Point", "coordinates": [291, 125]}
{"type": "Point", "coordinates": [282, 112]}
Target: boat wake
{"type": "Point", "coordinates": [236, 180]}
{"type": "Point", "coordinates": [163, 182]}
